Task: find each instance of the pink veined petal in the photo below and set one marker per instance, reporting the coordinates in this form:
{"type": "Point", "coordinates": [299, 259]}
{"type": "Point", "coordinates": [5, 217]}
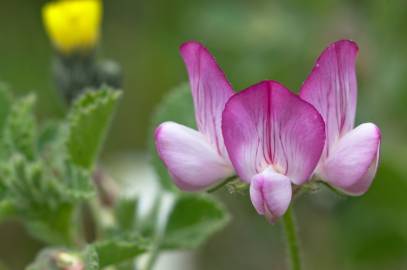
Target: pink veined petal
{"type": "Point", "coordinates": [210, 92]}
{"type": "Point", "coordinates": [353, 161]}
{"type": "Point", "coordinates": [192, 162]}
{"type": "Point", "coordinates": [270, 193]}
{"type": "Point", "coordinates": [332, 89]}
{"type": "Point", "coordinates": [268, 126]}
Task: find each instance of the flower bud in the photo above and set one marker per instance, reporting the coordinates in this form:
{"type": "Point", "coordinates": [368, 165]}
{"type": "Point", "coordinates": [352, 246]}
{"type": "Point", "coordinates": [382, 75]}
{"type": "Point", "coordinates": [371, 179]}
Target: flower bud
{"type": "Point", "coordinates": [73, 25]}
{"type": "Point", "coordinates": [57, 259]}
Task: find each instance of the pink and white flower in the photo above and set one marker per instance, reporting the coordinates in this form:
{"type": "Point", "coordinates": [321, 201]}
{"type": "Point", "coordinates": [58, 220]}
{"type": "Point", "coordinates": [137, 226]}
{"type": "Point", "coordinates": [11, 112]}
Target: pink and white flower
{"type": "Point", "coordinates": [350, 157]}
{"type": "Point", "coordinates": [274, 139]}
{"type": "Point", "coordinates": [198, 160]}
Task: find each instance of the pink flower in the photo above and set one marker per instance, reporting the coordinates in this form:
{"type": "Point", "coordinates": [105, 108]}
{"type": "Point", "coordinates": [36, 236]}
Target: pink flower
{"type": "Point", "coordinates": [198, 160]}
{"type": "Point", "coordinates": [350, 157]}
{"type": "Point", "coordinates": [274, 139]}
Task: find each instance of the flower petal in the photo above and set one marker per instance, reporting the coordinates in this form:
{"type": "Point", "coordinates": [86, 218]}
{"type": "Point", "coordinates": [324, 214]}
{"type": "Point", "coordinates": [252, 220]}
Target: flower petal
{"type": "Point", "coordinates": [353, 162]}
{"type": "Point", "coordinates": [332, 89]}
{"type": "Point", "coordinates": [267, 125]}
{"type": "Point", "coordinates": [191, 160]}
{"type": "Point", "coordinates": [270, 193]}
{"type": "Point", "coordinates": [210, 91]}
{"type": "Point", "coordinates": [362, 185]}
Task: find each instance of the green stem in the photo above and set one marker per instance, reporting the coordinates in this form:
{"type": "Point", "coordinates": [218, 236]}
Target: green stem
{"type": "Point", "coordinates": [221, 185]}
{"type": "Point", "coordinates": [153, 255]}
{"type": "Point", "coordinates": [166, 203]}
{"type": "Point", "coordinates": [292, 240]}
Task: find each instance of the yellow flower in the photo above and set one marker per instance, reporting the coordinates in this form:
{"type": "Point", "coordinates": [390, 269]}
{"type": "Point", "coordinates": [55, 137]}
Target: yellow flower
{"type": "Point", "coordinates": [73, 25]}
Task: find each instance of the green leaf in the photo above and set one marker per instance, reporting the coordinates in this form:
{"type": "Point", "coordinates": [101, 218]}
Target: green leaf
{"type": "Point", "coordinates": [49, 135]}
{"type": "Point", "coordinates": [75, 181]}
{"type": "Point", "coordinates": [88, 121]}
{"type": "Point", "coordinates": [20, 128]}
{"type": "Point", "coordinates": [178, 107]}
{"type": "Point", "coordinates": [91, 258]}
{"type": "Point", "coordinates": [54, 227]}
{"type": "Point", "coordinates": [26, 186]}
{"type": "Point", "coordinates": [119, 249]}
{"type": "Point", "coordinates": [44, 195]}
{"type": "Point", "coordinates": [129, 219]}
{"type": "Point", "coordinates": [38, 198]}
{"type": "Point", "coordinates": [129, 265]}
{"type": "Point", "coordinates": [78, 183]}
{"type": "Point", "coordinates": [193, 219]}
{"type": "Point", "coordinates": [125, 213]}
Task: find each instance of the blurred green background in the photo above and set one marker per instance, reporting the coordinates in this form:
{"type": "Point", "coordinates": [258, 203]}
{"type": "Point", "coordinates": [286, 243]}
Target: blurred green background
{"type": "Point", "coordinates": [252, 40]}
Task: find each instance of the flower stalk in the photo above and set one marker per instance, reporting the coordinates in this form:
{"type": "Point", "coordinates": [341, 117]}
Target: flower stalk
{"type": "Point", "coordinates": [293, 246]}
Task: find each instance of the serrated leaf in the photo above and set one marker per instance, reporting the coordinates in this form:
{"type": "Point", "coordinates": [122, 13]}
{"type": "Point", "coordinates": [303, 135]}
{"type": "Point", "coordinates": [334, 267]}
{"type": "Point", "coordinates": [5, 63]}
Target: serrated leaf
{"type": "Point", "coordinates": [88, 121]}
{"type": "Point", "coordinates": [119, 249]}
{"type": "Point", "coordinates": [194, 218]}
{"type": "Point", "coordinates": [24, 184]}
{"type": "Point", "coordinates": [75, 181]}
{"type": "Point", "coordinates": [20, 128]}
{"type": "Point", "coordinates": [40, 199]}
{"type": "Point", "coordinates": [178, 107]}
{"type": "Point", "coordinates": [44, 196]}
{"type": "Point", "coordinates": [78, 183]}
{"type": "Point", "coordinates": [91, 258]}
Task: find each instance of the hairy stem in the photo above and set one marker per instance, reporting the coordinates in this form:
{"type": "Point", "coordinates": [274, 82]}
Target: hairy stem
{"type": "Point", "coordinates": [292, 240]}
